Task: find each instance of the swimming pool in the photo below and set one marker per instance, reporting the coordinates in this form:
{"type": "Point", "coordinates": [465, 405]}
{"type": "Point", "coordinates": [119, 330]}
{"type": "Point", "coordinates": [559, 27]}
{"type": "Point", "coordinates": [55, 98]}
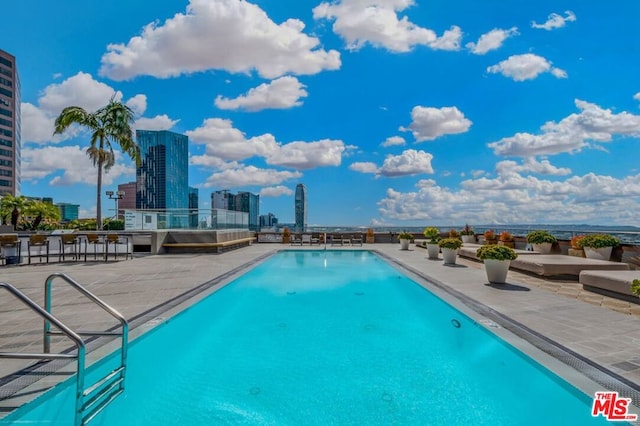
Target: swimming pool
{"type": "Point", "coordinates": [313, 337]}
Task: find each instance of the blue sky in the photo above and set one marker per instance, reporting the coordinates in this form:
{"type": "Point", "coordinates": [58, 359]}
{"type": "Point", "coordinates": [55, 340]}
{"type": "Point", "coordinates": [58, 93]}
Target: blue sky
{"type": "Point", "coordinates": [391, 112]}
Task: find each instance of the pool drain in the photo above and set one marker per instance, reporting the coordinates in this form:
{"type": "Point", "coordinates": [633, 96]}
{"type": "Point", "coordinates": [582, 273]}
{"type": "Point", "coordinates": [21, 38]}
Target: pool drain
{"type": "Point", "coordinates": [455, 323]}
{"type": "Point", "coordinates": [387, 397]}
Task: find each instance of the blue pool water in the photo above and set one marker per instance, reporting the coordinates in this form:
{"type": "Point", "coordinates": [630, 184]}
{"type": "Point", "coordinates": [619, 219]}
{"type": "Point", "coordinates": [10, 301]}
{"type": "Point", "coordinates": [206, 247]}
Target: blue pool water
{"type": "Point", "coordinates": [326, 338]}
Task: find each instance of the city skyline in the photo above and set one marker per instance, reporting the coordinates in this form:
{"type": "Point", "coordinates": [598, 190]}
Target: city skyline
{"type": "Point", "coordinates": [421, 114]}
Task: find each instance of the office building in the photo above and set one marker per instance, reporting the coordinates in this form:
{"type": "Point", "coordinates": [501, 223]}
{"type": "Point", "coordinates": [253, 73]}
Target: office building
{"type": "Point", "coordinates": [193, 207]}
{"type": "Point", "coordinates": [300, 206]}
{"type": "Point", "coordinates": [268, 220]}
{"type": "Point", "coordinates": [162, 177]}
{"type": "Point", "coordinates": [128, 200]}
{"type": "Point", "coordinates": [68, 212]}
{"type": "Point", "coordinates": [10, 141]}
{"type": "Point", "coordinates": [248, 203]}
{"type": "Point", "coordinates": [222, 200]}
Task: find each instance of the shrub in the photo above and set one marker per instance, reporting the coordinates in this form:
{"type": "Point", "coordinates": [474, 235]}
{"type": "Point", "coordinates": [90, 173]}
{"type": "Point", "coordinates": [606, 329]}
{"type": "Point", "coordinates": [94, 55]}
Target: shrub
{"type": "Point", "coordinates": [405, 236]}
{"type": "Point", "coordinates": [453, 233]}
{"type": "Point", "coordinates": [635, 287]}
{"type": "Point", "coordinates": [540, 237]}
{"type": "Point", "coordinates": [506, 236]}
{"type": "Point", "coordinates": [450, 243]}
{"type": "Point", "coordinates": [432, 233]}
{"type": "Point", "coordinates": [489, 234]}
{"type": "Point", "coordinates": [497, 252]}
{"type": "Point", "coordinates": [598, 241]}
{"type": "Point", "coordinates": [467, 230]}
{"type": "Point", "coordinates": [370, 232]}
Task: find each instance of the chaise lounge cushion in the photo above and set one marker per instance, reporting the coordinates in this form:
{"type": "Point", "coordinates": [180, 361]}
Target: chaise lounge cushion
{"type": "Point", "coordinates": [614, 281]}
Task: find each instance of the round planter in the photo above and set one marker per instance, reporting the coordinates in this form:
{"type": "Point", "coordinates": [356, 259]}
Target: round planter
{"type": "Point", "coordinates": [449, 255]}
{"type": "Point", "coordinates": [544, 248]}
{"type": "Point", "coordinates": [432, 251]}
{"type": "Point", "coordinates": [602, 253]}
{"type": "Point", "coordinates": [404, 244]}
{"type": "Point", "coordinates": [496, 270]}
{"type": "Point", "coordinates": [468, 238]}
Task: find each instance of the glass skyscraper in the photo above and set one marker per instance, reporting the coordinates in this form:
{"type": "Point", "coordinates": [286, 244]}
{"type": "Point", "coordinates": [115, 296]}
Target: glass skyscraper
{"type": "Point", "coordinates": [301, 208]}
{"type": "Point", "coordinates": [162, 179]}
{"type": "Point", "coordinates": [248, 203]}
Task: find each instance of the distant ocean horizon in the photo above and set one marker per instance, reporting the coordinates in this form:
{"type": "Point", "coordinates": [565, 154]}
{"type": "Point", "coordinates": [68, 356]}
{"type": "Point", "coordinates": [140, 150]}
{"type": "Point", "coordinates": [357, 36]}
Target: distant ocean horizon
{"type": "Point", "coordinates": [626, 234]}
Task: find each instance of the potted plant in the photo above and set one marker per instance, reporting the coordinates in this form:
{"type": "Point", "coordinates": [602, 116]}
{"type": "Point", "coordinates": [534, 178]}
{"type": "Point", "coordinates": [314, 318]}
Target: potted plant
{"type": "Point", "coordinates": [506, 239]}
{"type": "Point", "coordinates": [286, 236]}
{"type": "Point", "coordinates": [370, 236]}
{"type": "Point", "coordinates": [450, 247]}
{"type": "Point", "coordinates": [405, 238]}
{"type": "Point", "coordinates": [496, 260]}
{"type": "Point", "coordinates": [490, 237]}
{"type": "Point", "coordinates": [433, 236]}
{"type": "Point", "coordinates": [635, 287]}
{"type": "Point", "coordinates": [468, 236]}
{"type": "Point", "coordinates": [575, 249]}
{"type": "Point", "coordinates": [598, 246]}
{"type": "Point", "coordinates": [541, 241]}
{"type": "Point", "coordinates": [454, 233]}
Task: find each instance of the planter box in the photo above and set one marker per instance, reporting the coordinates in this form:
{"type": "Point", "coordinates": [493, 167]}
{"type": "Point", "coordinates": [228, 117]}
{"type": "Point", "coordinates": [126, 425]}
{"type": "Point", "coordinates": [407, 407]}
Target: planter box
{"type": "Point", "coordinates": [511, 244]}
{"type": "Point", "coordinates": [602, 253]}
{"type": "Point", "coordinates": [544, 248]}
{"type": "Point", "coordinates": [449, 256]}
{"type": "Point", "coordinates": [496, 270]}
{"type": "Point", "coordinates": [432, 251]}
{"type": "Point", "coordinates": [576, 252]}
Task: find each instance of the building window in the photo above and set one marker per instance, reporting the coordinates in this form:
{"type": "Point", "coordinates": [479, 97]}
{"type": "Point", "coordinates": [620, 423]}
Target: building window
{"type": "Point", "coordinates": [6, 132]}
{"type": "Point", "coordinates": [4, 182]}
{"type": "Point", "coordinates": [6, 152]}
{"type": "Point", "coordinates": [7, 163]}
{"type": "Point", "coordinates": [6, 82]}
{"type": "Point", "coordinates": [6, 112]}
{"type": "Point", "coordinates": [6, 62]}
{"type": "Point", "coordinates": [6, 92]}
{"type": "Point", "coordinates": [5, 142]}
{"type": "Point", "coordinates": [7, 123]}
{"type": "Point", "coordinates": [6, 72]}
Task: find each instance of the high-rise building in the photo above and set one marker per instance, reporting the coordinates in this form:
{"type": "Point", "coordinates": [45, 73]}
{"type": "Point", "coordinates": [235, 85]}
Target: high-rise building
{"type": "Point", "coordinates": [128, 201]}
{"type": "Point", "coordinates": [193, 207]}
{"type": "Point", "coordinates": [10, 141]}
{"type": "Point", "coordinates": [68, 211]}
{"type": "Point", "coordinates": [248, 203]}
{"type": "Point", "coordinates": [300, 208]}
{"type": "Point", "coordinates": [222, 200]}
{"type": "Point", "coordinates": [268, 220]}
{"type": "Point", "coordinates": [162, 181]}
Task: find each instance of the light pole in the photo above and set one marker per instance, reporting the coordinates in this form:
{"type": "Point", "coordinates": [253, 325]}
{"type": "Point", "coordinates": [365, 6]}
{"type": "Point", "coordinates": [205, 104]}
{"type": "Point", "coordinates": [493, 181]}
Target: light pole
{"type": "Point", "coordinates": [118, 195]}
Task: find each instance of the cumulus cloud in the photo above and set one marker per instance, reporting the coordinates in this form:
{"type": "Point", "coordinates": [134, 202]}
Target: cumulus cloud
{"type": "Point", "coordinates": [275, 191]}
{"type": "Point", "coordinates": [430, 123]}
{"type": "Point", "coordinates": [531, 165]}
{"type": "Point", "coordinates": [360, 22]}
{"type": "Point", "coordinates": [224, 141]}
{"type": "Point", "coordinates": [512, 198]}
{"type": "Point", "coordinates": [555, 20]}
{"type": "Point", "coordinates": [394, 141]}
{"type": "Point", "coordinates": [409, 163]}
{"type": "Point", "coordinates": [83, 91]}
{"type": "Point", "coordinates": [232, 35]}
{"type": "Point", "coordinates": [491, 41]}
{"type": "Point", "coordinates": [249, 176]}
{"type": "Point", "coordinates": [637, 96]}
{"type": "Point", "coordinates": [525, 67]}
{"type": "Point", "coordinates": [282, 93]}
{"type": "Point", "coordinates": [70, 165]}
{"type": "Point", "coordinates": [572, 133]}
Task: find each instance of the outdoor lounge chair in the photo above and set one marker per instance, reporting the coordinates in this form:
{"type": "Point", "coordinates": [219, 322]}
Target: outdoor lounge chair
{"type": "Point", "coordinates": [92, 240]}
{"type": "Point", "coordinates": [40, 243]}
{"type": "Point", "coordinates": [116, 240]}
{"type": "Point", "coordinates": [10, 248]}
{"type": "Point", "coordinates": [69, 244]}
{"type": "Point", "coordinates": [356, 239]}
{"type": "Point", "coordinates": [306, 239]}
{"type": "Point", "coordinates": [296, 240]}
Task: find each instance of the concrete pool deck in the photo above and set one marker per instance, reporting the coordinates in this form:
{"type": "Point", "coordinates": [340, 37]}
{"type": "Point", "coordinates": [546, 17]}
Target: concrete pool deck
{"type": "Point", "coordinates": [149, 289]}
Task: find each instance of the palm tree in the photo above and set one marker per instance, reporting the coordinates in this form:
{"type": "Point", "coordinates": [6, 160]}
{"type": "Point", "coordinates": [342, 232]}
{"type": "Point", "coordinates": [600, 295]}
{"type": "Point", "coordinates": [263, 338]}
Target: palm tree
{"type": "Point", "coordinates": [109, 125]}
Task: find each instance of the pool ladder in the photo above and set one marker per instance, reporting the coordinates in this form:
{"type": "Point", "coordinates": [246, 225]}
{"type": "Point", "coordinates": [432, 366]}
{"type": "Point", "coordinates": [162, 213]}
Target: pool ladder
{"type": "Point", "coordinates": [90, 401]}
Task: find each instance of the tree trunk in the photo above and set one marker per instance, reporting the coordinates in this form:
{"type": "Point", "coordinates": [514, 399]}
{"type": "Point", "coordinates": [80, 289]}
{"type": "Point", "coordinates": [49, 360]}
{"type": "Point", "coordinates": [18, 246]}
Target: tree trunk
{"type": "Point", "coordinates": [98, 196]}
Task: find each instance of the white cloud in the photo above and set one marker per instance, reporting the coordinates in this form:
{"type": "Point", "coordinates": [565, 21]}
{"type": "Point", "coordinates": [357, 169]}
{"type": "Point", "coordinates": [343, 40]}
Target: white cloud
{"type": "Point", "coordinates": [430, 123]}
{"type": "Point", "coordinates": [282, 93]}
{"type": "Point", "coordinates": [275, 191]}
{"type": "Point", "coordinates": [232, 35]}
{"type": "Point", "coordinates": [224, 141]}
{"type": "Point", "coordinates": [515, 199]}
{"type": "Point", "coordinates": [375, 22]}
{"type": "Point", "coordinates": [364, 167]}
{"type": "Point", "coordinates": [249, 176]}
{"type": "Point", "coordinates": [530, 165]}
{"type": "Point", "coordinates": [83, 91]}
{"type": "Point", "coordinates": [571, 134]}
{"type": "Point", "coordinates": [637, 96]}
{"type": "Point", "coordinates": [159, 122]}
{"type": "Point", "coordinates": [394, 141]}
{"type": "Point", "coordinates": [525, 67]}
{"type": "Point", "coordinates": [409, 163]}
{"type": "Point", "coordinates": [491, 40]}
{"type": "Point", "coordinates": [73, 163]}
{"type": "Point", "coordinates": [555, 20]}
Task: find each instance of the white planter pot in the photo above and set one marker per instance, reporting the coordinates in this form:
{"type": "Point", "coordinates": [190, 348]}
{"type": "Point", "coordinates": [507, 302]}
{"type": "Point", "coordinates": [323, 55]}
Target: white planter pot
{"type": "Point", "coordinates": [449, 256]}
{"type": "Point", "coordinates": [404, 244]}
{"type": "Point", "coordinates": [602, 253]}
{"type": "Point", "coordinates": [544, 248]}
{"type": "Point", "coordinates": [468, 238]}
{"type": "Point", "coordinates": [432, 251]}
{"type": "Point", "coordinates": [496, 270]}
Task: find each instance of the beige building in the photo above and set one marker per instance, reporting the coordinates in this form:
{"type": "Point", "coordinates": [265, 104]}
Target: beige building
{"type": "Point", "coordinates": [10, 142]}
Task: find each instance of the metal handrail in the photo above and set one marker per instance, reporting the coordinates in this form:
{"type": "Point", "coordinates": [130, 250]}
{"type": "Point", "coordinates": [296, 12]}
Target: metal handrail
{"type": "Point", "coordinates": [50, 319]}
